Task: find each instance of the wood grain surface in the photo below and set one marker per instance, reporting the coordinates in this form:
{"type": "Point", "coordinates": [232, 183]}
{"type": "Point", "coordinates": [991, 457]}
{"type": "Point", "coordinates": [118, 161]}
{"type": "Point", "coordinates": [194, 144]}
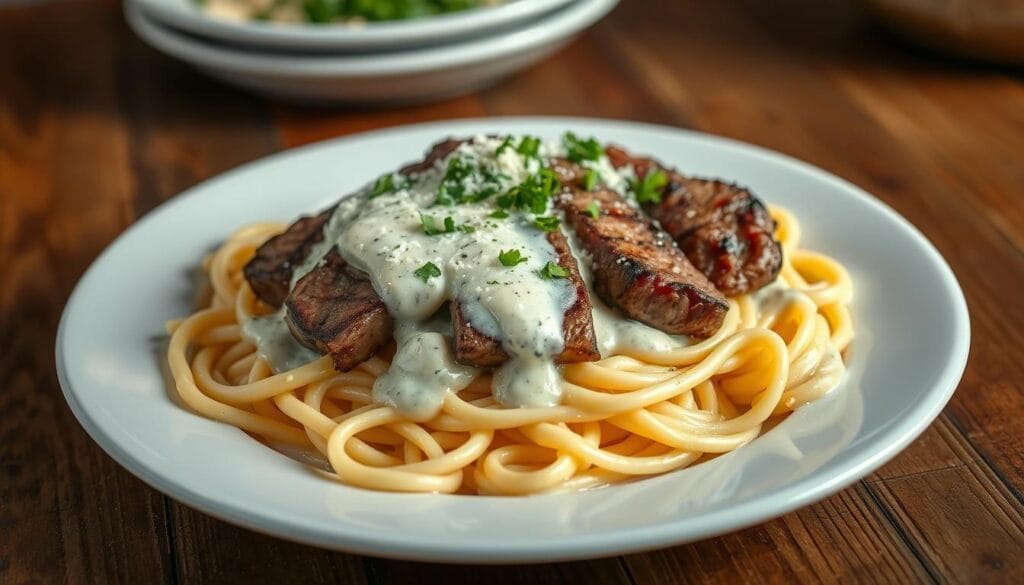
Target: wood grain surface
{"type": "Point", "coordinates": [96, 129]}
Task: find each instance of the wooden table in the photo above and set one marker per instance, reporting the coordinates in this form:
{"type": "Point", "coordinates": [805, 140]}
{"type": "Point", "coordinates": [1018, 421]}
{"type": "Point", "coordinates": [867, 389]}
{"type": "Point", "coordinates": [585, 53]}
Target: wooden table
{"type": "Point", "coordinates": [96, 129]}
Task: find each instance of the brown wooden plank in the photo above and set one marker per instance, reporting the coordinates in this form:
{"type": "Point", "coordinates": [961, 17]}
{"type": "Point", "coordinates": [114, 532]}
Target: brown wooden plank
{"type": "Point", "coordinates": [846, 538]}
{"type": "Point", "coordinates": [211, 551]}
{"type": "Point", "coordinates": [67, 511]}
{"type": "Point", "coordinates": [596, 572]}
{"type": "Point", "coordinates": [919, 490]}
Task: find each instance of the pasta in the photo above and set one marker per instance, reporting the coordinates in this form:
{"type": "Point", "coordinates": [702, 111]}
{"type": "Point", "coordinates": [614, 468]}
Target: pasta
{"type": "Point", "coordinates": [623, 417]}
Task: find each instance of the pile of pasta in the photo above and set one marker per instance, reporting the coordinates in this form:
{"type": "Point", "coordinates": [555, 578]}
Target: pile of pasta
{"type": "Point", "coordinates": [623, 417]}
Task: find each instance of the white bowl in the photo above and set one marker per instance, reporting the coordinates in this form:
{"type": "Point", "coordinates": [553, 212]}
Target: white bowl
{"type": "Point", "coordinates": [388, 78]}
{"type": "Point", "coordinates": [186, 16]}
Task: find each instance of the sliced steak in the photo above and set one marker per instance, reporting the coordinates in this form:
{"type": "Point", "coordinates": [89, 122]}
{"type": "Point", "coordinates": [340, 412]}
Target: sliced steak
{"type": "Point", "coordinates": [335, 310]}
{"type": "Point", "coordinates": [473, 348]}
{"type": "Point", "coordinates": [724, 229]}
{"type": "Point", "coordinates": [270, 271]}
{"type": "Point", "coordinates": [437, 152]}
{"type": "Point", "coordinates": [637, 267]}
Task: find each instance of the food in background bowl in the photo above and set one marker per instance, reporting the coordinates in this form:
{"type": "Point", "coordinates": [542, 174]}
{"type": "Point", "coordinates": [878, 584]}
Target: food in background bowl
{"type": "Point", "coordinates": [349, 12]}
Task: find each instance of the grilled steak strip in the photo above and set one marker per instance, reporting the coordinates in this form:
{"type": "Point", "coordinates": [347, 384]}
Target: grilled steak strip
{"type": "Point", "coordinates": [473, 348]}
{"type": "Point", "coordinates": [724, 229]}
{"type": "Point", "coordinates": [334, 310]}
{"type": "Point", "coordinates": [270, 271]}
{"type": "Point", "coordinates": [637, 268]}
{"type": "Point", "coordinates": [437, 152]}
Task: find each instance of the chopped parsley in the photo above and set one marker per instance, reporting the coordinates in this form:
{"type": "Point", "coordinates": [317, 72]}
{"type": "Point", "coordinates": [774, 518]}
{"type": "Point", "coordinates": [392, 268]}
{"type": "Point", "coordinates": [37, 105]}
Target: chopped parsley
{"type": "Point", "coordinates": [447, 226]}
{"type": "Point", "coordinates": [593, 209]}
{"type": "Point", "coordinates": [499, 214]}
{"type": "Point", "coordinates": [427, 271]}
{"type": "Point", "coordinates": [552, 270]}
{"type": "Point", "coordinates": [511, 257]}
{"type": "Point", "coordinates": [648, 189]}
{"type": "Point", "coordinates": [505, 145]}
{"type": "Point", "coordinates": [386, 184]}
{"type": "Point", "coordinates": [579, 150]}
{"type": "Point", "coordinates": [533, 193]}
{"type": "Point", "coordinates": [547, 223]}
{"type": "Point", "coordinates": [590, 180]}
{"type": "Point", "coordinates": [529, 146]}
{"type": "Point", "coordinates": [453, 188]}
{"type": "Point", "coordinates": [430, 225]}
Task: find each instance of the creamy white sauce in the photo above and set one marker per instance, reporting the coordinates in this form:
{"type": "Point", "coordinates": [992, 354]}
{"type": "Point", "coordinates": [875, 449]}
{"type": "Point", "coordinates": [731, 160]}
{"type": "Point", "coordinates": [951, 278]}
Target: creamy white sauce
{"type": "Point", "coordinates": [384, 236]}
{"type": "Point", "coordinates": [423, 371]}
{"type": "Point", "coordinates": [275, 343]}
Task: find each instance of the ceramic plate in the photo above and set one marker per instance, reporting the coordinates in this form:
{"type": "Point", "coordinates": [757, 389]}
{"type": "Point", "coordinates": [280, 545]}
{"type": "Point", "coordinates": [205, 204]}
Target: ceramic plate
{"type": "Point", "coordinates": [378, 78]}
{"type": "Point", "coordinates": [378, 36]}
{"type": "Point", "coordinates": [909, 353]}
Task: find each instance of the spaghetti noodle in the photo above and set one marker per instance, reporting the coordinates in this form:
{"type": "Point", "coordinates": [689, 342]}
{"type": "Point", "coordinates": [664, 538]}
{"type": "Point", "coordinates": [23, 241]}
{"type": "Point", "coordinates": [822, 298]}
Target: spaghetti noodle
{"type": "Point", "coordinates": [634, 414]}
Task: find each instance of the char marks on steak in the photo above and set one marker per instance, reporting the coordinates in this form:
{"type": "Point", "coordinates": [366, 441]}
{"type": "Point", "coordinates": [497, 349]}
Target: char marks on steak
{"type": "Point", "coordinates": [473, 348]}
{"type": "Point", "coordinates": [335, 310]}
{"type": "Point", "coordinates": [724, 229]}
{"type": "Point", "coordinates": [638, 269]}
{"type": "Point", "coordinates": [270, 271]}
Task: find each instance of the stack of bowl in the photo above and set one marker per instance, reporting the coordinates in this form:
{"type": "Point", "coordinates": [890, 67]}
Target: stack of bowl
{"type": "Point", "coordinates": [377, 62]}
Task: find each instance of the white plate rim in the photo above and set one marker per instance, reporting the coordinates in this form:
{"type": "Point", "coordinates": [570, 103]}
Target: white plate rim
{"type": "Point", "coordinates": [373, 36]}
{"type": "Point", "coordinates": [563, 24]}
{"type": "Point", "coordinates": [803, 492]}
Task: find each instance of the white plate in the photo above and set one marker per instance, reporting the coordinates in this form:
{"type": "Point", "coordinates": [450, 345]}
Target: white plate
{"type": "Point", "coordinates": [380, 36]}
{"type": "Point", "coordinates": [406, 76]}
{"type": "Point", "coordinates": [909, 353]}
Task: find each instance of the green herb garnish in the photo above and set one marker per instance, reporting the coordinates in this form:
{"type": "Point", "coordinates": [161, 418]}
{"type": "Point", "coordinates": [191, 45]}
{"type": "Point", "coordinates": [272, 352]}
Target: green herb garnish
{"type": "Point", "coordinates": [499, 214]}
{"type": "Point", "coordinates": [593, 209]}
{"type": "Point", "coordinates": [578, 150]}
{"type": "Point", "coordinates": [447, 226]}
{"type": "Point", "coordinates": [529, 146]}
{"type": "Point", "coordinates": [552, 270]}
{"type": "Point", "coordinates": [648, 189]}
{"type": "Point", "coordinates": [453, 190]}
{"type": "Point", "coordinates": [590, 180]}
{"type": "Point", "coordinates": [505, 145]}
{"type": "Point", "coordinates": [546, 223]}
{"type": "Point", "coordinates": [427, 271]}
{"type": "Point", "coordinates": [384, 184]}
{"type": "Point", "coordinates": [533, 193]}
{"type": "Point", "coordinates": [430, 225]}
{"type": "Point", "coordinates": [511, 257]}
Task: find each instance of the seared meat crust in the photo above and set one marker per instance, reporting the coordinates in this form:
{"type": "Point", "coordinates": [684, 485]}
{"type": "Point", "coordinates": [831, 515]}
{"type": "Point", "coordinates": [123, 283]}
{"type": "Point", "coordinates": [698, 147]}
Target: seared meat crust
{"type": "Point", "coordinates": [637, 267]}
{"type": "Point", "coordinates": [725, 231]}
{"type": "Point", "coordinates": [335, 310]}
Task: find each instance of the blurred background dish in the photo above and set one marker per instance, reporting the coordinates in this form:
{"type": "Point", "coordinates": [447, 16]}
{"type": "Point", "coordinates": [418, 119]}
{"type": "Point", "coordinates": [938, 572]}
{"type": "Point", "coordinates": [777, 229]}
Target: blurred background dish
{"type": "Point", "coordinates": [984, 29]}
{"type": "Point", "coordinates": [189, 16]}
{"type": "Point", "coordinates": [377, 78]}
